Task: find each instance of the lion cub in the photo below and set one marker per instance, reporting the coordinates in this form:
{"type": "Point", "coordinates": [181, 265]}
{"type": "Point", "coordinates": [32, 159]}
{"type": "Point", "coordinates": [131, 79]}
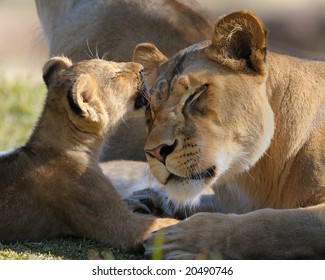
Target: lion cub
{"type": "Point", "coordinates": [53, 185]}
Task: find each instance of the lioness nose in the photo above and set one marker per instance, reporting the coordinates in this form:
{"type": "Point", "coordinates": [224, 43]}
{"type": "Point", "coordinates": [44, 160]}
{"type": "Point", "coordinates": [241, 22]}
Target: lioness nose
{"type": "Point", "coordinates": [162, 151]}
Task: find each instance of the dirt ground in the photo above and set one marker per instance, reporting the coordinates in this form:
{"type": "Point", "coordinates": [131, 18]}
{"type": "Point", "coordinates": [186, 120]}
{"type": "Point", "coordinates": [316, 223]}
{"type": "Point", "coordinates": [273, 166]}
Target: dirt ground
{"type": "Point", "coordinates": [295, 26]}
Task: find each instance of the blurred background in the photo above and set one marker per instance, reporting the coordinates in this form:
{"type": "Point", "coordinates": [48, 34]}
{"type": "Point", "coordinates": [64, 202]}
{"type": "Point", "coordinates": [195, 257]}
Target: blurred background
{"type": "Point", "coordinates": [296, 27]}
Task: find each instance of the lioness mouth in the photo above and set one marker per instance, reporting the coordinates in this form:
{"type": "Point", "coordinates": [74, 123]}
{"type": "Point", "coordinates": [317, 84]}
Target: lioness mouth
{"type": "Point", "coordinates": [207, 173]}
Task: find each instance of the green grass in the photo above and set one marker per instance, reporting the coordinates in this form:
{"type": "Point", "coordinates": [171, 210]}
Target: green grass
{"type": "Point", "coordinates": [62, 249]}
{"type": "Point", "coordinates": [20, 106]}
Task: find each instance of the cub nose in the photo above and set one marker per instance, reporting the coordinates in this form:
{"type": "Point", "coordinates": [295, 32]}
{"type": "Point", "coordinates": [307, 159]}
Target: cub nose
{"type": "Point", "coordinates": [162, 151]}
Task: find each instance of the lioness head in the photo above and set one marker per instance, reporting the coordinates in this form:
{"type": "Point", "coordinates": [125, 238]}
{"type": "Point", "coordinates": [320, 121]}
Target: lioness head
{"type": "Point", "coordinates": [209, 115]}
{"type": "Point", "coordinates": [95, 94]}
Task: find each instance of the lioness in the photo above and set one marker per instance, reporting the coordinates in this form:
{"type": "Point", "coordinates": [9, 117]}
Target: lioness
{"type": "Point", "coordinates": [225, 113]}
{"type": "Point", "coordinates": [111, 29]}
{"type": "Point", "coordinates": [53, 185]}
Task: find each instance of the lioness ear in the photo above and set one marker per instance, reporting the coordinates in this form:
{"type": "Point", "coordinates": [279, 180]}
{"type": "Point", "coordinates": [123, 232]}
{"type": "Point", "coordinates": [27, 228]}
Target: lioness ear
{"type": "Point", "coordinates": [239, 41]}
{"type": "Point", "coordinates": [53, 66]}
{"type": "Point", "coordinates": [149, 56]}
{"type": "Point", "coordinates": [83, 98]}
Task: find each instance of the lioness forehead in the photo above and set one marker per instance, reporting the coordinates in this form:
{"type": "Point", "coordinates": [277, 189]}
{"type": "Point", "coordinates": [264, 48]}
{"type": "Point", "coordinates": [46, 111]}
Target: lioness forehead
{"type": "Point", "coordinates": [176, 64]}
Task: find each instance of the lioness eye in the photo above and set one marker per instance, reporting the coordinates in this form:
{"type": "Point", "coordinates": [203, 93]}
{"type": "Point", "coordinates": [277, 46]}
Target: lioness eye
{"type": "Point", "coordinates": [196, 94]}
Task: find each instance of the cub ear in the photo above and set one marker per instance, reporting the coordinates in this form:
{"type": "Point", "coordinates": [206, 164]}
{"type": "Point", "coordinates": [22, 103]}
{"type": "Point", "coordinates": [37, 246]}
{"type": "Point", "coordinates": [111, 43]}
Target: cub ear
{"type": "Point", "coordinates": [53, 66]}
{"type": "Point", "coordinates": [149, 56]}
{"type": "Point", "coordinates": [83, 99]}
{"type": "Point", "coordinates": [239, 41]}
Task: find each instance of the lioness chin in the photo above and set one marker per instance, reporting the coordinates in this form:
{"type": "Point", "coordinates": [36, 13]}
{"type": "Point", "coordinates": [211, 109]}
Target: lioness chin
{"type": "Point", "coordinates": [53, 184]}
{"type": "Point", "coordinates": [227, 114]}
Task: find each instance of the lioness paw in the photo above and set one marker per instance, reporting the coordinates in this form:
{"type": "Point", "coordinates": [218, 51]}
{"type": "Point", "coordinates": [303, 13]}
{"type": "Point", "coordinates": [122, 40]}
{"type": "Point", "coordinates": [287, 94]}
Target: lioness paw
{"type": "Point", "coordinates": [137, 206]}
{"type": "Point", "coordinates": [167, 244]}
{"type": "Point", "coordinates": [151, 201]}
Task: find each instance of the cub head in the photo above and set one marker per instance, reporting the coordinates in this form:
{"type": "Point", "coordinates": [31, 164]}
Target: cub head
{"type": "Point", "coordinates": [209, 117]}
{"type": "Point", "coordinates": [94, 94]}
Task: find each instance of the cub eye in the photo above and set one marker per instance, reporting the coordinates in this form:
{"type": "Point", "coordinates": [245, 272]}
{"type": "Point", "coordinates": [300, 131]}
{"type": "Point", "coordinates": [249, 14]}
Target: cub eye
{"type": "Point", "coordinates": [196, 94]}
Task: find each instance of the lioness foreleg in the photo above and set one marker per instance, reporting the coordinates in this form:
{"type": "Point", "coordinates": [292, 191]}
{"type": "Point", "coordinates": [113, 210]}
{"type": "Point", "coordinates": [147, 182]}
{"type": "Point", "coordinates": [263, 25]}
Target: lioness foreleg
{"type": "Point", "coordinates": [262, 234]}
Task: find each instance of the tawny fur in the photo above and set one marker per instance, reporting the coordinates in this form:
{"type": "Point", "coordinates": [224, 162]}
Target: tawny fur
{"type": "Point", "coordinates": [257, 128]}
{"type": "Point", "coordinates": [53, 184]}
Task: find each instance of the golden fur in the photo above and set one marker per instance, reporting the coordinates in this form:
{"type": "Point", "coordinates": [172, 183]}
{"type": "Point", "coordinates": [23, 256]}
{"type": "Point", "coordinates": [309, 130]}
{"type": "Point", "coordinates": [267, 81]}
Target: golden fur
{"type": "Point", "coordinates": [53, 184]}
{"type": "Point", "coordinates": [82, 29]}
{"type": "Point", "coordinates": [249, 123]}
